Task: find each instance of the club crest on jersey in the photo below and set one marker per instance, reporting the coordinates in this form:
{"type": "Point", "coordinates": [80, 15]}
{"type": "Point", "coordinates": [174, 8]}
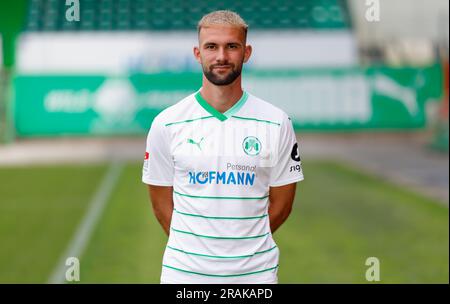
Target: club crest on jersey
{"type": "Point", "coordinates": [251, 145]}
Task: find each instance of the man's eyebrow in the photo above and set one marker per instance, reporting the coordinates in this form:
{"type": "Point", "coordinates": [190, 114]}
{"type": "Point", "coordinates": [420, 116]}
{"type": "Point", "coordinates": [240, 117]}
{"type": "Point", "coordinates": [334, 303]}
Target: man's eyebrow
{"type": "Point", "coordinates": [227, 43]}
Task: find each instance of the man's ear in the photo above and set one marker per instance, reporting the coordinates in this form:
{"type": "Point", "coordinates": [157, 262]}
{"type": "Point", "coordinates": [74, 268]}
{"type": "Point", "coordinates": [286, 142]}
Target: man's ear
{"type": "Point", "coordinates": [196, 51]}
{"type": "Point", "coordinates": [247, 53]}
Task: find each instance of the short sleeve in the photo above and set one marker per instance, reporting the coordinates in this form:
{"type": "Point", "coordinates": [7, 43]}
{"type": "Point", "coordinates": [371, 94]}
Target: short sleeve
{"type": "Point", "coordinates": [288, 167]}
{"type": "Point", "coordinates": [158, 165]}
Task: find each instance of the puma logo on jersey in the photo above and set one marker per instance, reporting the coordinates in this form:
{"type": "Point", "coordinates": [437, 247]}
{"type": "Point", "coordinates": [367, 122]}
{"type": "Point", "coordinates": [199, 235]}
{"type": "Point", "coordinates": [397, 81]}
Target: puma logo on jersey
{"type": "Point", "coordinates": [191, 141]}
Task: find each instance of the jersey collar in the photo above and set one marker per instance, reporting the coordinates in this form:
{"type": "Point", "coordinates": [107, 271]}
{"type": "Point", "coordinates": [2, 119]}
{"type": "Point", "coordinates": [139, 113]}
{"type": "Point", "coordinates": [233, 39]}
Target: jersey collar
{"type": "Point", "coordinates": [221, 116]}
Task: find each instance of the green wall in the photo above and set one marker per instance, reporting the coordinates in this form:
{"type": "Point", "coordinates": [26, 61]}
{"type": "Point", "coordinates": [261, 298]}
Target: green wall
{"type": "Point", "coordinates": [12, 20]}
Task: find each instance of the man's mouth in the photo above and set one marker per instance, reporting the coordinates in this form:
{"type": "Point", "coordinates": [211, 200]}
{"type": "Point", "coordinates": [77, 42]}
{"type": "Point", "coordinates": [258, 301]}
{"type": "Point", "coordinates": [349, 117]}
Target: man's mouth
{"type": "Point", "coordinates": [221, 67]}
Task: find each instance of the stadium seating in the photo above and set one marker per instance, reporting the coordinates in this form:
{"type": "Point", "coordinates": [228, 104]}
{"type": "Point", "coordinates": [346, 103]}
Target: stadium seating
{"type": "Point", "coordinates": [124, 15]}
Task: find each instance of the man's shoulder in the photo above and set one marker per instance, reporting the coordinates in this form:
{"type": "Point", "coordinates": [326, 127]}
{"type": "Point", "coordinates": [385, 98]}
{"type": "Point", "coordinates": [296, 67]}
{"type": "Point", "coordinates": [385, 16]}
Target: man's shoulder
{"type": "Point", "coordinates": [264, 110]}
{"type": "Point", "coordinates": [177, 111]}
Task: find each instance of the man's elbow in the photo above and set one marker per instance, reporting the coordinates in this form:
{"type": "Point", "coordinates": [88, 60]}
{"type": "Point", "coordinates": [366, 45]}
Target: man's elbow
{"type": "Point", "coordinates": [287, 211]}
{"type": "Point", "coordinates": [155, 208]}
{"type": "Point", "coordinates": [283, 212]}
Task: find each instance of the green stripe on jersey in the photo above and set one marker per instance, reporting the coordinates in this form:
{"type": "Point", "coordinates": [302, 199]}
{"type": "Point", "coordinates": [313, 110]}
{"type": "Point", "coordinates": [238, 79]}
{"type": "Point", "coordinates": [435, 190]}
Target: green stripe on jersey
{"type": "Point", "coordinates": [221, 237]}
{"type": "Point", "coordinates": [221, 197]}
{"type": "Point", "coordinates": [187, 120]}
{"type": "Point", "coordinates": [221, 275]}
{"type": "Point", "coordinates": [237, 106]}
{"type": "Point", "coordinates": [255, 119]}
{"type": "Point", "coordinates": [222, 217]}
{"type": "Point", "coordinates": [221, 116]}
{"type": "Point", "coordinates": [222, 257]}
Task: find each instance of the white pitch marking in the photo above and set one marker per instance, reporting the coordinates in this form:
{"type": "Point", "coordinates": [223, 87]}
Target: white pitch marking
{"type": "Point", "coordinates": [85, 228]}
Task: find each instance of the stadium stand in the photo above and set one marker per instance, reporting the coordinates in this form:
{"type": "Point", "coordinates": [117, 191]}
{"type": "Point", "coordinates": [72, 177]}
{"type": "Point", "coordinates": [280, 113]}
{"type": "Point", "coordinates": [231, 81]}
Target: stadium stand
{"type": "Point", "coordinates": [106, 15]}
{"type": "Point", "coordinates": [122, 40]}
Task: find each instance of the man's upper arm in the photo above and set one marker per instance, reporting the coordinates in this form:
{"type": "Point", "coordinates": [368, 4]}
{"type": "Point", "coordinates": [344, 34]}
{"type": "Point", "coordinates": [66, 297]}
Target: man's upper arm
{"type": "Point", "coordinates": [283, 195]}
{"type": "Point", "coordinates": [158, 166]}
{"type": "Point", "coordinates": [287, 168]}
{"type": "Point", "coordinates": [160, 194]}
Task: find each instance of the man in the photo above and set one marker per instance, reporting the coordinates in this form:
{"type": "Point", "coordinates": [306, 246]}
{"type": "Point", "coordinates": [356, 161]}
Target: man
{"type": "Point", "coordinates": [222, 167]}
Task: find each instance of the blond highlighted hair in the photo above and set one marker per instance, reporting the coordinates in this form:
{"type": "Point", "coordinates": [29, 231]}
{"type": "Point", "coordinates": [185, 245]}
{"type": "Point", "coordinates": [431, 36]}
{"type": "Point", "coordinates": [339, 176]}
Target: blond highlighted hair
{"type": "Point", "coordinates": [222, 17]}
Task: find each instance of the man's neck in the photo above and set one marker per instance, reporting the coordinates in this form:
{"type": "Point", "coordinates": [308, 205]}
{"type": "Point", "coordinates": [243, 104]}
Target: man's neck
{"type": "Point", "coordinates": [222, 98]}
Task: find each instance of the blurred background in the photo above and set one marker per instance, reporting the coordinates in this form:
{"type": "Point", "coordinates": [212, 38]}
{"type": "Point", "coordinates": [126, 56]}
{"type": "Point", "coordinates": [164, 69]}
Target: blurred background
{"type": "Point", "coordinates": [364, 82]}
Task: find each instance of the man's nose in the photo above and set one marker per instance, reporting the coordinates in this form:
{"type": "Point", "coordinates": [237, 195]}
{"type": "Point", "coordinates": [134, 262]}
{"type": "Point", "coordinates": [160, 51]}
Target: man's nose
{"type": "Point", "coordinates": [222, 55]}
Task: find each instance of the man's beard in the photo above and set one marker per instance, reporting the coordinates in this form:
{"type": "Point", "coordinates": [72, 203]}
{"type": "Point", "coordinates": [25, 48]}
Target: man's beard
{"type": "Point", "coordinates": [217, 80]}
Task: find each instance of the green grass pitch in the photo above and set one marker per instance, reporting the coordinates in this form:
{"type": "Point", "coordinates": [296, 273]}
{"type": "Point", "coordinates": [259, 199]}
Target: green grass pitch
{"type": "Point", "coordinates": [340, 218]}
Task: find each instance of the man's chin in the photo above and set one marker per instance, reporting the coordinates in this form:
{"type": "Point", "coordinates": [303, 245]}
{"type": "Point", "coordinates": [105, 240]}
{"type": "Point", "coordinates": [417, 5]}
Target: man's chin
{"type": "Point", "coordinates": [221, 79]}
{"type": "Point", "coordinates": [221, 82]}
{"type": "Point", "coordinates": [221, 75]}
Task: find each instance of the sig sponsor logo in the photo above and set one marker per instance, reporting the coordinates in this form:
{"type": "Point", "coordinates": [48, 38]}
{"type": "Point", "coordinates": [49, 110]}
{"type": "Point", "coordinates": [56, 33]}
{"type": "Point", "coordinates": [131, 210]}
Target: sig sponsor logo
{"type": "Point", "coordinates": [295, 153]}
{"type": "Point", "coordinates": [295, 168]}
{"type": "Point", "coordinates": [295, 156]}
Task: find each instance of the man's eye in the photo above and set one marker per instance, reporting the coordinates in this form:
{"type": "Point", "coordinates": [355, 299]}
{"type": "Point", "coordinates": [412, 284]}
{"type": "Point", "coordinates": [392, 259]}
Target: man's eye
{"type": "Point", "coordinates": [210, 47]}
{"type": "Point", "coordinates": [232, 46]}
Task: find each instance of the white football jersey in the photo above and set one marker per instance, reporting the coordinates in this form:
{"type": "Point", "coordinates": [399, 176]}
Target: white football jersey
{"type": "Point", "coordinates": [221, 166]}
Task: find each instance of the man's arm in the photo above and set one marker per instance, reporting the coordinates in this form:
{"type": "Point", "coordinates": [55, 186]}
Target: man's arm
{"type": "Point", "coordinates": [280, 204]}
{"type": "Point", "coordinates": [162, 203]}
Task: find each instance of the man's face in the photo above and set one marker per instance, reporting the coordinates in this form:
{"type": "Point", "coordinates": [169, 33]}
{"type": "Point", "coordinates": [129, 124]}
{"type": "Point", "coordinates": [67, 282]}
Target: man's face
{"type": "Point", "coordinates": [222, 52]}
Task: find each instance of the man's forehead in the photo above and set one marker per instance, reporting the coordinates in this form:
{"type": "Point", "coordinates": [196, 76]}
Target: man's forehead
{"type": "Point", "coordinates": [221, 34]}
